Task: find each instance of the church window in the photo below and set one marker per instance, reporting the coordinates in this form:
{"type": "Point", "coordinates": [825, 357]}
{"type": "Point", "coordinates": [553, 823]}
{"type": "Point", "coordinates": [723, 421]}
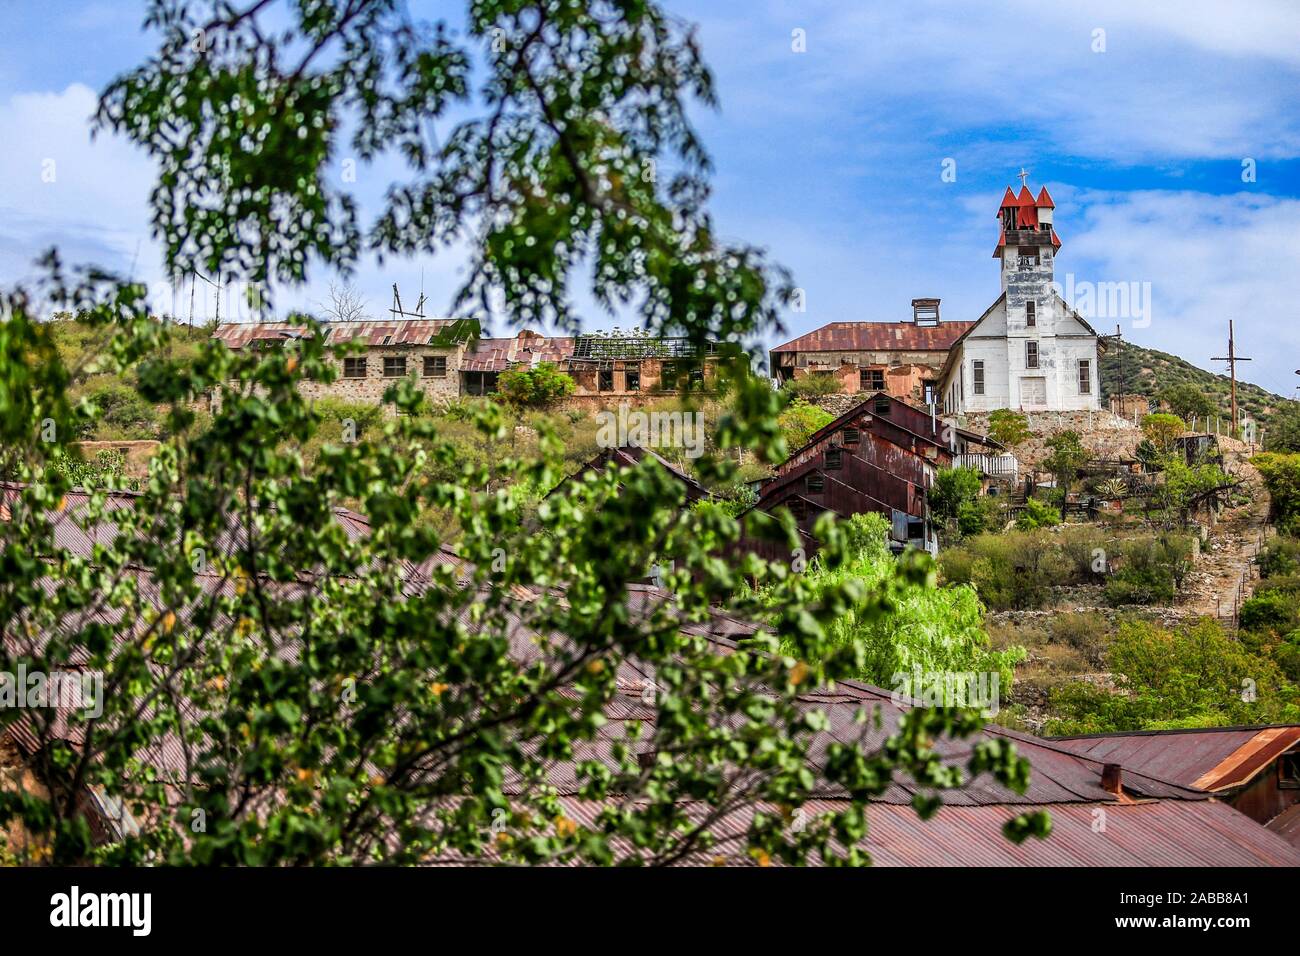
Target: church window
{"type": "Point", "coordinates": [978, 375]}
{"type": "Point", "coordinates": [1031, 355]}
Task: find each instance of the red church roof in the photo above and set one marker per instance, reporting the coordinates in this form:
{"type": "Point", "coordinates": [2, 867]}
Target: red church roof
{"type": "Point", "coordinates": [1044, 199]}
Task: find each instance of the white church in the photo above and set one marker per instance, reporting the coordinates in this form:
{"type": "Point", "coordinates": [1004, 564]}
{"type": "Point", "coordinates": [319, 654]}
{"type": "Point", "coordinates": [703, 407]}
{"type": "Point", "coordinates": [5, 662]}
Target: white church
{"type": "Point", "coordinates": [1029, 350]}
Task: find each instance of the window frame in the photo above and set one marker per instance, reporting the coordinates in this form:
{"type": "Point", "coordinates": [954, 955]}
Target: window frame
{"type": "Point", "coordinates": [397, 361]}
{"type": "Point", "coordinates": [1085, 376]}
{"type": "Point", "coordinates": [977, 376]}
{"type": "Point", "coordinates": [430, 362]}
{"type": "Point", "coordinates": [820, 480]}
{"type": "Point", "coordinates": [1032, 355]}
{"type": "Point", "coordinates": [1031, 314]}
{"type": "Point", "coordinates": [354, 367]}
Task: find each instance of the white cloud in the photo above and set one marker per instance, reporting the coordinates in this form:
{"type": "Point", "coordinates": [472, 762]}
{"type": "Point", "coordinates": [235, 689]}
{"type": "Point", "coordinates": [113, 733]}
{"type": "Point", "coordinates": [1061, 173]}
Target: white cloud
{"type": "Point", "coordinates": [1208, 259]}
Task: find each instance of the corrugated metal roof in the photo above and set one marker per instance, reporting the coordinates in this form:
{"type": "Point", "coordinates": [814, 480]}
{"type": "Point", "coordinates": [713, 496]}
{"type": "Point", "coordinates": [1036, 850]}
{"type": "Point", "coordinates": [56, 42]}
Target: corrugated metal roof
{"type": "Point", "coordinates": [237, 335]}
{"type": "Point", "coordinates": [877, 336]}
{"type": "Point", "coordinates": [1287, 825]}
{"type": "Point", "coordinates": [1202, 834]}
{"type": "Point", "coordinates": [1210, 759]}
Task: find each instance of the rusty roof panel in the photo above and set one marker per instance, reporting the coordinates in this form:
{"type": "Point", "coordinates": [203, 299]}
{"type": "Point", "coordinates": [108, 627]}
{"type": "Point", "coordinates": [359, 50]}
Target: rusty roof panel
{"type": "Point", "coordinates": [237, 335]}
{"type": "Point", "coordinates": [1206, 759]}
{"type": "Point", "coordinates": [1287, 825]}
{"type": "Point", "coordinates": [878, 337]}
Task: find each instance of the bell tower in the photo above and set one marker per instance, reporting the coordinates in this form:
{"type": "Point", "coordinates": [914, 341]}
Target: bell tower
{"type": "Point", "coordinates": [1026, 252]}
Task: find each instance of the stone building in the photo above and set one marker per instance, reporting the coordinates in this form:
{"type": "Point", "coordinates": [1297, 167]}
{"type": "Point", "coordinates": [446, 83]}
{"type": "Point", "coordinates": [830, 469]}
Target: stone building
{"type": "Point", "coordinates": [901, 358]}
{"type": "Point", "coordinates": [1029, 350]}
{"type": "Point", "coordinates": [431, 350]}
{"type": "Point", "coordinates": [449, 359]}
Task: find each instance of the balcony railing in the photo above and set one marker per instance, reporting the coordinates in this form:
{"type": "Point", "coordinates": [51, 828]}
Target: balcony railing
{"type": "Point", "coordinates": [996, 466]}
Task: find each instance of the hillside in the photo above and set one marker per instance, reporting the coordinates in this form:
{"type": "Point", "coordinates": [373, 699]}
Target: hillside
{"type": "Point", "coordinates": [1150, 371]}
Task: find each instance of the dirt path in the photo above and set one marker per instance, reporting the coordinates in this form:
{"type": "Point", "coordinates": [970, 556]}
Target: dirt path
{"type": "Point", "coordinates": [1226, 572]}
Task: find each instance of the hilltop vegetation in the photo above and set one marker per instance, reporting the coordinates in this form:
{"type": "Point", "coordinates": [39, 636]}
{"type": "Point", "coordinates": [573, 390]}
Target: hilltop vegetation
{"type": "Point", "coordinates": [1150, 372]}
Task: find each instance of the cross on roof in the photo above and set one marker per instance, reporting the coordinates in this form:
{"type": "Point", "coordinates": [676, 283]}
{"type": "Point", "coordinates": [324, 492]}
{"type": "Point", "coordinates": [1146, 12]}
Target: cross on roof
{"type": "Point", "coordinates": [1024, 176]}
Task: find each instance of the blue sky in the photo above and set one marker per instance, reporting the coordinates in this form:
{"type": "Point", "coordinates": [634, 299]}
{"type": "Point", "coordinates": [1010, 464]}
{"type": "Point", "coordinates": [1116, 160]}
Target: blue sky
{"type": "Point", "coordinates": [832, 158]}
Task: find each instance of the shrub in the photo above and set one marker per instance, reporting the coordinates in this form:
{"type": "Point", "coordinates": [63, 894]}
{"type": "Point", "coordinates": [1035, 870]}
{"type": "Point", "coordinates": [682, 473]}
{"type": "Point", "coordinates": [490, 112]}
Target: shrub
{"type": "Point", "coordinates": [537, 387]}
{"type": "Point", "coordinates": [1151, 571]}
{"type": "Point", "coordinates": [1280, 556]}
{"type": "Point", "coordinates": [1189, 677]}
{"type": "Point", "coordinates": [1085, 631]}
{"type": "Point", "coordinates": [1037, 515]}
{"type": "Point", "coordinates": [123, 414]}
{"type": "Point", "coordinates": [1274, 611]}
{"type": "Point", "coordinates": [800, 420]}
{"type": "Point", "coordinates": [814, 385]}
{"type": "Point", "coordinates": [1282, 478]}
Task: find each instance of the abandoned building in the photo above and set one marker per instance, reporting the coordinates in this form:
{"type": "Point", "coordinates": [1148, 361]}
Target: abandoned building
{"type": "Point", "coordinates": [1030, 350]}
{"type": "Point", "coordinates": [880, 456]}
{"type": "Point", "coordinates": [449, 359]}
{"type": "Point", "coordinates": [901, 358]}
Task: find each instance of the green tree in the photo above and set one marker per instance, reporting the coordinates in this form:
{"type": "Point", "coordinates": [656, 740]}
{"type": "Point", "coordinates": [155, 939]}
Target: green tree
{"type": "Point", "coordinates": [1008, 427]}
{"type": "Point", "coordinates": [352, 692]}
{"type": "Point", "coordinates": [800, 420]}
{"type": "Point", "coordinates": [540, 386]}
{"type": "Point", "coordinates": [1067, 457]}
{"type": "Point", "coordinates": [1186, 401]}
{"type": "Point", "coordinates": [954, 493]}
{"type": "Point", "coordinates": [1162, 430]}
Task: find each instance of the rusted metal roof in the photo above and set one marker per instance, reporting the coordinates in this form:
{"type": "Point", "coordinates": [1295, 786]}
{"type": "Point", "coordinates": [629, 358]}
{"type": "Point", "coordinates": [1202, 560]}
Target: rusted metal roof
{"type": "Point", "coordinates": [1211, 759]}
{"type": "Point", "coordinates": [878, 337]}
{"type": "Point", "coordinates": [238, 335]}
{"type": "Point", "coordinates": [1287, 825]}
{"type": "Point", "coordinates": [496, 355]}
{"type": "Point", "coordinates": [1145, 834]}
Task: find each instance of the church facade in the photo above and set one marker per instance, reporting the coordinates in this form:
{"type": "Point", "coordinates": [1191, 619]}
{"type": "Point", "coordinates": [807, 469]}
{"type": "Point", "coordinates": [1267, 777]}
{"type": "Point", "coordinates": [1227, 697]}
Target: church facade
{"type": "Point", "coordinates": [1029, 350]}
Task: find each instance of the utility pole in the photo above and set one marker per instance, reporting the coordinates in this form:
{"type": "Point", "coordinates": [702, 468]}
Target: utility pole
{"type": "Point", "coordinates": [1232, 358]}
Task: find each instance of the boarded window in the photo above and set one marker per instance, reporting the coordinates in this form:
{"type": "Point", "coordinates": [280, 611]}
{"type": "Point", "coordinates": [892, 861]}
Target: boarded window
{"type": "Point", "coordinates": [1031, 355]}
{"type": "Point", "coordinates": [871, 380]}
{"type": "Point", "coordinates": [394, 366]}
{"type": "Point", "coordinates": [1085, 376]}
{"type": "Point", "coordinates": [1031, 314]}
{"type": "Point", "coordinates": [816, 483]}
{"type": "Point", "coordinates": [834, 458]}
{"type": "Point", "coordinates": [977, 376]}
{"type": "Point", "coordinates": [852, 436]}
{"type": "Point", "coordinates": [882, 406]}
{"type": "Point", "coordinates": [354, 368]}
{"type": "Point", "coordinates": [435, 366]}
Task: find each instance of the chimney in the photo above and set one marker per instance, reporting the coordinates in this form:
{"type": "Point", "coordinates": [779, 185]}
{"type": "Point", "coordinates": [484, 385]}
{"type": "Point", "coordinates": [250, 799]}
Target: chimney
{"type": "Point", "coordinates": [925, 311]}
{"type": "Point", "coordinates": [1112, 778]}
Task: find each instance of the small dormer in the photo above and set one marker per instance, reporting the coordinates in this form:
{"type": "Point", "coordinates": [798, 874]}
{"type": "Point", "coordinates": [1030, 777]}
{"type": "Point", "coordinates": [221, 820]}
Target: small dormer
{"type": "Point", "coordinates": [925, 312]}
